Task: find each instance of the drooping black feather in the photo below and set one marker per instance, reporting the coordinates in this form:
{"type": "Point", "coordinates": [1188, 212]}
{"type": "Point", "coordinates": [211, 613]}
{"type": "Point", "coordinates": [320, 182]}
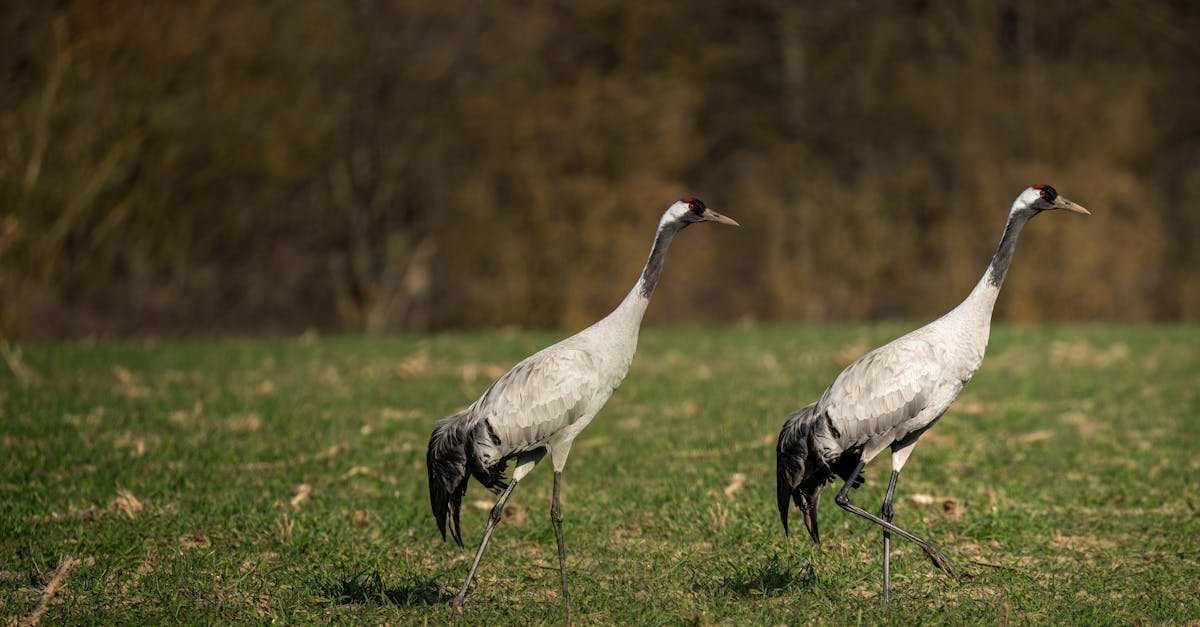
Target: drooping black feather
{"type": "Point", "coordinates": [791, 453]}
{"type": "Point", "coordinates": [452, 459]}
{"type": "Point", "coordinates": [800, 470]}
{"type": "Point", "coordinates": [783, 491]}
{"type": "Point", "coordinates": [446, 462]}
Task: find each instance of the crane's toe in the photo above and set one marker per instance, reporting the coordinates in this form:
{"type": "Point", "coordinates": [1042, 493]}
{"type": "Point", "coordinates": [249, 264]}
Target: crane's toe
{"type": "Point", "coordinates": [940, 560]}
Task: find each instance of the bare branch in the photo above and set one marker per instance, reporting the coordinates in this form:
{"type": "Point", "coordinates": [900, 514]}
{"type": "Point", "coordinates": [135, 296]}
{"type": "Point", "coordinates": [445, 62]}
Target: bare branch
{"type": "Point", "coordinates": [41, 127]}
{"type": "Point", "coordinates": [56, 581]}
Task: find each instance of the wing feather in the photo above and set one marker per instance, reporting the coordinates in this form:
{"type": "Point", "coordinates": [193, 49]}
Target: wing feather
{"type": "Point", "coordinates": [546, 392]}
{"type": "Point", "coordinates": [881, 390]}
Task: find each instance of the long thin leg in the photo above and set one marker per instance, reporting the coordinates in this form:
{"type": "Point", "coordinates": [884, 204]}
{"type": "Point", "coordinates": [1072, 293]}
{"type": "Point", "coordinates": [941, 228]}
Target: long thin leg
{"type": "Point", "coordinates": [887, 513]}
{"type": "Point", "coordinates": [556, 517]}
{"type": "Point", "coordinates": [934, 554]}
{"type": "Point", "coordinates": [497, 510]}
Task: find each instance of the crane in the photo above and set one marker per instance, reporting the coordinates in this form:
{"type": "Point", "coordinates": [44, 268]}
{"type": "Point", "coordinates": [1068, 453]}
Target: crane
{"type": "Point", "coordinates": [891, 395]}
{"type": "Point", "coordinates": [543, 403]}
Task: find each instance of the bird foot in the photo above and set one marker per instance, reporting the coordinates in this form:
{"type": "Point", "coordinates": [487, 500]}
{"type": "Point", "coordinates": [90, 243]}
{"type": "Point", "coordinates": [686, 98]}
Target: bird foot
{"type": "Point", "coordinates": [940, 560]}
{"type": "Point", "coordinates": [457, 604]}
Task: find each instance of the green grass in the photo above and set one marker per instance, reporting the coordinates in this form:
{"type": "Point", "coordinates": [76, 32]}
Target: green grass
{"type": "Point", "coordinates": [1065, 481]}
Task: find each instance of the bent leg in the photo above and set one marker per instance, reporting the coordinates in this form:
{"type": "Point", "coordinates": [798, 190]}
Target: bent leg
{"type": "Point", "coordinates": [493, 520]}
{"type": "Point", "coordinates": [934, 554]}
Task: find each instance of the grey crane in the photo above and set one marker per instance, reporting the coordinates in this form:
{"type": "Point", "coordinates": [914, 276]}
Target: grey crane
{"type": "Point", "coordinates": [891, 395]}
{"type": "Point", "coordinates": [542, 403]}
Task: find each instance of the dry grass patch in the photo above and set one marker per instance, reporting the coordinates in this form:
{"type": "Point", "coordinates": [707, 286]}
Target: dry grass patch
{"type": "Point", "coordinates": [127, 504]}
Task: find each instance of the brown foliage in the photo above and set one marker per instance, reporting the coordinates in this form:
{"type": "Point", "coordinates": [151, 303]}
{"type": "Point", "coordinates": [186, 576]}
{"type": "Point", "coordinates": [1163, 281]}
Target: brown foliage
{"type": "Point", "coordinates": [404, 166]}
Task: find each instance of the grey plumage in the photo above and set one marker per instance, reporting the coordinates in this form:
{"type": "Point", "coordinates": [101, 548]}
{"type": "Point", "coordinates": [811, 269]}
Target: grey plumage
{"type": "Point", "coordinates": [541, 404]}
{"type": "Point", "coordinates": [893, 394]}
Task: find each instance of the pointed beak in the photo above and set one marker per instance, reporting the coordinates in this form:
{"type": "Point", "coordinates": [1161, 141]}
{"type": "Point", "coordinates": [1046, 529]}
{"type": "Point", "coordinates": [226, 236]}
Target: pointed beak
{"type": "Point", "coordinates": [713, 216]}
{"type": "Point", "coordinates": [1063, 203]}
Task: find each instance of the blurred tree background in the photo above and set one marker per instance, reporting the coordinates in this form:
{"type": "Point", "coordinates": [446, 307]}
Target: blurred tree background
{"type": "Point", "coordinates": [272, 166]}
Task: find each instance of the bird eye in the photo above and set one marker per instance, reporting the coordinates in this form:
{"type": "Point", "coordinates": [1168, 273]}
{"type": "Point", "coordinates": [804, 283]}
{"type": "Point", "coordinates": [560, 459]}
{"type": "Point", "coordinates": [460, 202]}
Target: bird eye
{"type": "Point", "coordinates": [1046, 192]}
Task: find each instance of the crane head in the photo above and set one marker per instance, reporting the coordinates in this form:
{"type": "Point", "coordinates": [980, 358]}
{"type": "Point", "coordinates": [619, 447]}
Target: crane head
{"type": "Point", "coordinates": [1041, 197]}
{"type": "Point", "coordinates": [689, 210]}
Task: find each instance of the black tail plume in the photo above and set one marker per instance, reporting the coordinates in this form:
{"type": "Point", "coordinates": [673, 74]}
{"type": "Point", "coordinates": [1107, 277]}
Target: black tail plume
{"type": "Point", "coordinates": [783, 485]}
{"type": "Point", "coordinates": [791, 457]}
{"type": "Point", "coordinates": [446, 462]}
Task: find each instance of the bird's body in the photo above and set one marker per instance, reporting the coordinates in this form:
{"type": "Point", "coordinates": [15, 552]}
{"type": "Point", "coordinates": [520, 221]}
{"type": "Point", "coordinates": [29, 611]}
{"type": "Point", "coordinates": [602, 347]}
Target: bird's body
{"type": "Point", "coordinates": [890, 396]}
{"type": "Point", "coordinates": [542, 403]}
{"type": "Point", "coordinates": [548, 398]}
{"type": "Point", "coordinates": [901, 388]}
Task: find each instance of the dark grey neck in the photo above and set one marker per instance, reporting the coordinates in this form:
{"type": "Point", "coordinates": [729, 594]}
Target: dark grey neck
{"type": "Point", "coordinates": [658, 254]}
{"type": "Point", "coordinates": [1008, 243]}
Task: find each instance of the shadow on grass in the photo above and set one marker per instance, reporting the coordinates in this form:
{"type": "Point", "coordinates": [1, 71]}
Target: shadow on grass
{"type": "Point", "coordinates": [759, 579]}
{"type": "Point", "coordinates": [369, 589]}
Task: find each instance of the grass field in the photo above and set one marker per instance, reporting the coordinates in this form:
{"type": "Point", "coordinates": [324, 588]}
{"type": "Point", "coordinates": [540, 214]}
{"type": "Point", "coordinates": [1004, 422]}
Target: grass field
{"type": "Point", "coordinates": [250, 481]}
